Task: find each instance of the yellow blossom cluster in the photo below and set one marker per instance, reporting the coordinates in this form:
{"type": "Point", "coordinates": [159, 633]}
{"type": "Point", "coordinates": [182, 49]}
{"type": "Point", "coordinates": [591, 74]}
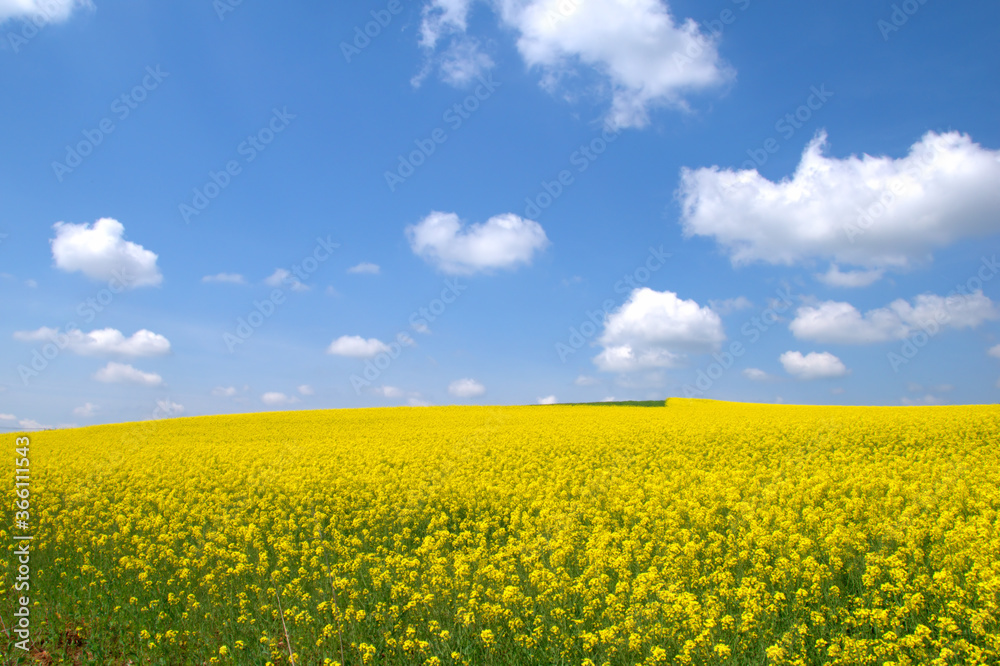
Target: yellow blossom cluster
{"type": "Point", "coordinates": [698, 533]}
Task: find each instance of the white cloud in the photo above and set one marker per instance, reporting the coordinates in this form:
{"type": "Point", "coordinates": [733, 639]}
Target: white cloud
{"type": "Point", "coordinates": [503, 241]}
{"type": "Point", "coordinates": [224, 391]}
{"type": "Point", "coordinates": [842, 323]}
{"type": "Point", "coordinates": [756, 374]}
{"type": "Point", "coordinates": [356, 346]}
{"type": "Point", "coordinates": [101, 253]}
{"type": "Point", "coordinates": [585, 380]}
{"type": "Point", "coordinates": [275, 399]}
{"type": "Point", "coordinates": [366, 268]}
{"type": "Point", "coordinates": [814, 365]}
{"type": "Point", "coordinates": [994, 351]}
{"type": "Point", "coordinates": [31, 424]}
{"type": "Point", "coordinates": [655, 330]}
{"type": "Point", "coordinates": [925, 400]}
{"type": "Point", "coordinates": [643, 57]}
{"type": "Point", "coordinates": [943, 191]}
{"type": "Point", "coordinates": [466, 388]}
{"type": "Point", "coordinates": [31, 284]}
{"type": "Point", "coordinates": [834, 277]}
{"type": "Point", "coordinates": [103, 342]}
{"type": "Point", "coordinates": [87, 410]}
{"type": "Point", "coordinates": [47, 11]}
{"type": "Point", "coordinates": [168, 408]}
{"type": "Point", "coordinates": [730, 305]}
{"type": "Point", "coordinates": [230, 278]}
{"type": "Point", "coordinates": [305, 389]}
{"type": "Point", "coordinates": [7, 417]}
{"type": "Point", "coordinates": [549, 400]}
{"type": "Point", "coordinates": [609, 398]}
{"type": "Point", "coordinates": [417, 402]}
{"type": "Point", "coordinates": [388, 391]}
{"type": "Point", "coordinates": [282, 276]}
{"type": "Point", "coordinates": [122, 373]}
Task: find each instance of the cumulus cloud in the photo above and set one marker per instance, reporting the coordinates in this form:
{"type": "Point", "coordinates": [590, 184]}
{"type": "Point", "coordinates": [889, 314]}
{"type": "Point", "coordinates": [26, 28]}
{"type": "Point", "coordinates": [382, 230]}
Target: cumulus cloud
{"type": "Point", "coordinates": [842, 323]}
{"type": "Point", "coordinates": [834, 277]}
{"type": "Point", "coordinates": [637, 53]}
{"type": "Point", "coordinates": [365, 268]}
{"type": "Point", "coordinates": [101, 253]}
{"type": "Point", "coordinates": [224, 391]}
{"type": "Point", "coordinates": [103, 342]}
{"type": "Point", "coordinates": [7, 417]}
{"type": "Point", "coordinates": [656, 330]}
{"type": "Point", "coordinates": [86, 410]}
{"type": "Point", "coordinates": [872, 212]}
{"type": "Point", "coordinates": [305, 389]}
{"type": "Point", "coordinates": [282, 276]}
{"type": "Point", "coordinates": [549, 400]}
{"type": "Point", "coordinates": [356, 346]}
{"type": "Point", "coordinates": [276, 399]}
{"type": "Point", "coordinates": [503, 241]}
{"type": "Point", "coordinates": [814, 365]}
{"type": "Point", "coordinates": [122, 373]}
{"type": "Point", "coordinates": [47, 11]}
{"type": "Point", "coordinates": [230, 278]}
{"type": "Point", "coordinates": [994, 351]}
{"type": "Point", "coordinates": [466, 388]}
{"type": "Point", "coordinates": [169, 408]}
{"type": "Point", "coordinates": [756, 374]}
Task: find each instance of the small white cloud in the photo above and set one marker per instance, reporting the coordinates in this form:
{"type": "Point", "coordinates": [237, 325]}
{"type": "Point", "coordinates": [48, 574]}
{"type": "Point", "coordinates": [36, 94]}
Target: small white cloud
{"type": "Point", "coordinates": [609, 398]}
{"type": "Point", "coordinates": [305, 389]}
{"type": "Point", "coordinates": [503, 241]}
{"type": "Point", "coordinates": [586, 380]}
{"type": "Point", "coordinates": [756, 375]}
{"type": "Point", "coordinates": [282, 276]}
{"type": "Point", "coordinates": [168, 408]}
{"type": "Point", "coordinates": [925, 400]}
{"type": "Point", "coordinates": [356, 346]}
{"type": "Point", "coordinates": [417, 402]}
{"type": "Point", "coordinates": [224, 391]}
{"type": "Point", "coordinates": [41, 11]}
{"type": "Point", "coordinates": [466, 388]}
{"type": "Point", "coordinates": [101, 253]}
{"type": "Point", "coordinates": [842, 323]}
{"type": "Point", "coordinates": [229, 278]}
{"type": "Point", "coordinates": [330, 291]}
{"type": "Point", "coordinates": [365, 268]}
{"type": "Point", "coordinates": [31, 424]}
{"type": "Point", "coordinates": [87, 410]}
{"type": "Point", "coordinates": [814, 365]}
{"type": "Point", "coordinates": [834, 277]}
{"type": "Point", "coordinates": [7, 417]}
{"type": "Point", "coordinates": [31, 284]}
{"type": "Point", "coordinates": [103, 342]}
{"type": "Point", "coordinates": [121, 373]}
{"type": "Point", "coordinates": [656, 330]}
{"type": "Point", "coordinates": [549, 400]}
{"type": "Point", "coordinates": [388, 391]}
{"type": "Point", "coordinates": [275, 399]}
{"type": "Point", "coordinates": [994, 351]}
{"type": "Point", "coordinates": [871, 212]}
{"type": "Point", "coordinates": [730, 305]}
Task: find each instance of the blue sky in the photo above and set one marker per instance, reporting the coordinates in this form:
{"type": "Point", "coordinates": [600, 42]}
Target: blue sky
{"type": "Point", "coordinates": [591, 198]}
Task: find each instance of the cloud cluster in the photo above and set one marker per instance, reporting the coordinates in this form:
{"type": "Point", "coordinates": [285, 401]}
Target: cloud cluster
{"type": "Point", "coordinates": [842, 323]}
{"type": "Point", "coordinates": [634, 51]}
{"type": "Point", "coordinates": [466, 388]}
{"type": "Point", "coordinates": [814, 365]}
{"type": "Point", "coordinates": [503, 241]}
{"type": "Point", "coordinates": [103, 342]}
{"type": "Point", "coordinates": [656, 330]}
{"type": "Point", "coordinates": [101, 253]}
{"type": "Point", "coordinates": [872, 212]}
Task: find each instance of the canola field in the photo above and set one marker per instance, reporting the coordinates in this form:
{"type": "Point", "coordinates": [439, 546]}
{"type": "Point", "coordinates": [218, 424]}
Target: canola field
{"type": "Point", "coordinates": [698, 533]}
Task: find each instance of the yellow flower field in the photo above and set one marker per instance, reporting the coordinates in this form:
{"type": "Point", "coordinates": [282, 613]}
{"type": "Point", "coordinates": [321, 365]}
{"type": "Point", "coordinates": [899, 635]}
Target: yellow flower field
{"type": "Point", "coordinates": [699, 533]}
